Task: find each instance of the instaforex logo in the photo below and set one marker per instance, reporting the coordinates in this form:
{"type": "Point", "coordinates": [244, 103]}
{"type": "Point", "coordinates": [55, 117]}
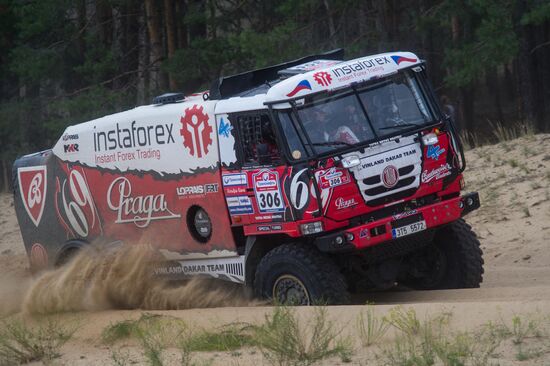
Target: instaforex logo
{"type": "Point", "coordinates": [133, 137]}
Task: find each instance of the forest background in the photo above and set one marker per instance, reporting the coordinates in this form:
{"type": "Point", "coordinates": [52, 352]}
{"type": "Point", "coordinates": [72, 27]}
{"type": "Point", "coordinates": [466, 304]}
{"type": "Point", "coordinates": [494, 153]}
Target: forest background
{"type": "Point", "coordinates": [67, 61]}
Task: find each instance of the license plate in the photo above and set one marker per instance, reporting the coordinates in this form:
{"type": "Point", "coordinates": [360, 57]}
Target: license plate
{"type": "Point", "coordinates": [408, 229]}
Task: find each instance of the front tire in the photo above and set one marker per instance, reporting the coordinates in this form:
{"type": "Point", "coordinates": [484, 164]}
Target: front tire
{"type": "Point", "coordinates": [296, 274]}
{"type": "Point", "coordinates": [454, 260]}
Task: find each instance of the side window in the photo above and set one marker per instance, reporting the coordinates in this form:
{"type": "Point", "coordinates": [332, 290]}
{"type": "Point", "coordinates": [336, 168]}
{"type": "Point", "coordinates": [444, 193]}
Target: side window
{"type": "Point", "coordinates": [257, 139]}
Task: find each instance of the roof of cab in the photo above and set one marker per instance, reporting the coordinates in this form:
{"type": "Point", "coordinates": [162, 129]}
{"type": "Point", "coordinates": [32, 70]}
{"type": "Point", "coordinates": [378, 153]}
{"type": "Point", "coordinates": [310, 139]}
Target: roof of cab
{"type": "Point", "coordinates": [341, 74]}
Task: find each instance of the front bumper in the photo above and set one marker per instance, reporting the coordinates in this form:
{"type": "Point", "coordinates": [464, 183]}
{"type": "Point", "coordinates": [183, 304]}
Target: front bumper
{"type": "Point", "coordinates": [380, 231]}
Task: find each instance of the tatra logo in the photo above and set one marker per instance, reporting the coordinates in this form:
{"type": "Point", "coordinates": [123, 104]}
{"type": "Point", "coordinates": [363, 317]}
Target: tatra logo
{"type": "Point", "coordinates": [322, 78]}
{"type": "Point", "coordinates": [343, 203]}
{"type": "Point", "coordinates": [196, 131]}
{"type": "Point", "coordinates": [32, 186]}
{"type": "Point", "coordinates": [390, 176]}
{"type": "Point", "coordinates": [120, 138]}
{"type": "Point", "coordinates": [140, 210]}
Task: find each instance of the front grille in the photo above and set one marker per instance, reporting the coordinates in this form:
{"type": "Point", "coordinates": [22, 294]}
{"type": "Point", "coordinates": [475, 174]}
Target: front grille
{"type": "Point", "coordinates": [405, 155]}
{"type": "Point", "coordinates": [381, 189]}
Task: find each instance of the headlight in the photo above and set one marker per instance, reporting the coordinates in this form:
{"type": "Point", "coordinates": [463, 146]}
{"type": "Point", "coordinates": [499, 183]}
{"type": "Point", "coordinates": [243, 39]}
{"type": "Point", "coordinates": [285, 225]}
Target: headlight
{"type": "Point", "coordinates": [311, 228]}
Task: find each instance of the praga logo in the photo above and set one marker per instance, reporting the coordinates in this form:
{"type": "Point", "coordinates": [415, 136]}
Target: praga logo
{"type": "Point", "coordinates": [342, 203]}
{"type": "Point", "coordinates": [32, 186]}
{"type": "Point", "coordinates": [322, 78]}
{"type": "Point", "coordinates": [437, 173]}
{"type": "Point", "coordinates": [390, 176]}
{"type": "Point", "coordinates": [196, 131]}
{"type": "Point", "coordinates": [139, 210]}
{"type": "Point", "coordinates": [80, 214]}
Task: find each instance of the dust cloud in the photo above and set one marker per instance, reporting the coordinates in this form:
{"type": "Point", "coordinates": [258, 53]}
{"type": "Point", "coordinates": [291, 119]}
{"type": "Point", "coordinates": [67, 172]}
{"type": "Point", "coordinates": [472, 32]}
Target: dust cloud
{"type": "Point", "coordinates": [120, 277]}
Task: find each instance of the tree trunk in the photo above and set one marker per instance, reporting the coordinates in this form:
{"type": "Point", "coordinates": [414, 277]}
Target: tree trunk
{"type": "Point", "coordinates": [170, 38]}
{"type": "Point", "coordinates": [155, 45]}
{"type": "Point", "coordinates": [526, 66]}
{"type": "Point", "coordinates": [143, 60]}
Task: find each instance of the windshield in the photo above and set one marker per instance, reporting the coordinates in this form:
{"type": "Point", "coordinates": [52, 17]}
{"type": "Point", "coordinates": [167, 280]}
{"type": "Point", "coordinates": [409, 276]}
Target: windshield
{"type": "Point", "coordinates": [331, 122]}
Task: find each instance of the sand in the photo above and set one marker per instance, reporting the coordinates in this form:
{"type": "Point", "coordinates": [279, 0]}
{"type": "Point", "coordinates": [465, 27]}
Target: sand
{"type": "Point", "coordinates": [513, 224]}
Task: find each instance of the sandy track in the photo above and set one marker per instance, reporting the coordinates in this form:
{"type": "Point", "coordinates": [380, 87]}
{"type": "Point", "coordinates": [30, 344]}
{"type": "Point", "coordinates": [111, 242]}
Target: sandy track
{"type": "Point", "coordinates": [513, 179]}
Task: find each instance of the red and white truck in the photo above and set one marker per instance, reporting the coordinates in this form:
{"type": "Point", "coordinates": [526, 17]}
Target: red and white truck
{"type": "Point", "coordinates": [306, 181]}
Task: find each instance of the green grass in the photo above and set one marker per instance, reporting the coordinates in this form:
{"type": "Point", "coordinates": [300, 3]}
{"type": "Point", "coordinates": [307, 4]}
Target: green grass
{"type": "Point", "coordinates": [20, 343]}
{"type": "Point", "coordinates": [284, 340]}
{"type": "Point", "coordinates": [230, 337]}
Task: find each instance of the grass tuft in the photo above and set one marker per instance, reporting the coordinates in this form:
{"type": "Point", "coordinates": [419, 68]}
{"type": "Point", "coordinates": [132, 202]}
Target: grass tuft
{"type": "Point", "coordinates": [405, 321]}
{"type": "Point", "coordinates": [20, 343]}
{"type": "Point", "coordinates": [371, 329]}
{"type": "Point", "coordinates": [227, 338]}
{"type": "Point", "coordinates": [283, 340]}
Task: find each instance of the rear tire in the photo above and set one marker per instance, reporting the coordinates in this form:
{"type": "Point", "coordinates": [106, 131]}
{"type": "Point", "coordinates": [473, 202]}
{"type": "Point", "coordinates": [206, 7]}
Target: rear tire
{"type": "Point", "coordinates": [296, 274]}
{"type": "Point", "coordinates": [454, 260]}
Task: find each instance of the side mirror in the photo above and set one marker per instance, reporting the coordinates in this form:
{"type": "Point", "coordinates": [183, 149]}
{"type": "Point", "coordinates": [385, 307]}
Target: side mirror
{"type": "Point", "coordinates": [264, 157]}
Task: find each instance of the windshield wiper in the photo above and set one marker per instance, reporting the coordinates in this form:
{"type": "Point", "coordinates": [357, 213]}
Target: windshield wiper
{"type": "Point", "coordinates": [331, 143]}
{"type": "Point", "coordinates": [399, 125]}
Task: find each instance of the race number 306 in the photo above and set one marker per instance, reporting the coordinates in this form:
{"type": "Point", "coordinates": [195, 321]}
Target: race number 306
{"type": "Point", "coordinates": [268, 192]}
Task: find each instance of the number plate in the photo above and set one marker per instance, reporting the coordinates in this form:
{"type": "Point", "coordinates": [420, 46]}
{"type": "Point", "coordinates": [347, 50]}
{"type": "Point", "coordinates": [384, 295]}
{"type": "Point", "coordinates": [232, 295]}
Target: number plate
{"type": "Point", "coordinates": [408, 229]}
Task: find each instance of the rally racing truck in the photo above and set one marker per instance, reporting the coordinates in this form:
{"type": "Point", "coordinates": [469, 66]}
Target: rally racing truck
{"type": "Point", "coordinates": [305, 181]}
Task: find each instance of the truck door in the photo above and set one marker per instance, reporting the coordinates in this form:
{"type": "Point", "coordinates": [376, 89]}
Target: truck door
{"type": "Point", "coordinates": [253, 172]}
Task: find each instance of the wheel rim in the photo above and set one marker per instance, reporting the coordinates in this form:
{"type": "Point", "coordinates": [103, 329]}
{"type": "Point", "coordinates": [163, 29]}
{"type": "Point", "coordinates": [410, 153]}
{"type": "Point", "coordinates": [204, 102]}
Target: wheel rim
{"type": "Point", "coordinates": [289, 290]}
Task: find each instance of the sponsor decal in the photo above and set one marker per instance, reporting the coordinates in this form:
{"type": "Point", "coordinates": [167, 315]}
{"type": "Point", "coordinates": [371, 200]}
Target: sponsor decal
{"type": "Point", "coordinates": [139, 210]}
{"type": "Point", "coordinates": [67, 137]}
{"type": "Point", "coordinates": [302, 85]}
{"type": "Point", "coordinates": [133, 137]}
{"type": "Point", "coordinates": [32, 186]}
{"type": "Point", "coordinates": [70, 148]}
{"type": "Point", "coordinates": [225, 128]}
{"type": "Point", "coordinates": [268, 192]}
{"type": "Point", "coordinates": [333, 178]}
{"type": "Point", "coordinates": [437, 173]}
{"type": "Point", "coordinates": [239, 205]}
{"type": "Point", "coordinates": [404, 214]}
{"type": "Point", "coordinates": [265, 228]}
{"type": "Point", "coordinates": [399, 59]}
{"type": "Point", "coordinates": [38, 256]}
{"type": "Point", "coordinates": [322, 78]}
{"type": "Point", "coordinates": [299, 191]}
{"type": "Point", "coordinates": [200, 189]}
{"type": "Point", "coordinates": [77, 204]}
{"type": "Point", "coordinates": [342, 203]}
{"type": "Point", "coordinates": [360, 68]}
{"type": "Point", "coordinates": [434, 151]}
{"type": "Point", "coordinates": [273, 217]}
{"type": "Point", "coordinates": [196, 131]}
{"type": "Point", "coordinates": [364, 233]}
{"type": "Point", "coordinates": [390, 176]}
{"type": "Point", "coordinates": [370, 163]}
{"type": "Point", "coordinates": [235, 179]}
